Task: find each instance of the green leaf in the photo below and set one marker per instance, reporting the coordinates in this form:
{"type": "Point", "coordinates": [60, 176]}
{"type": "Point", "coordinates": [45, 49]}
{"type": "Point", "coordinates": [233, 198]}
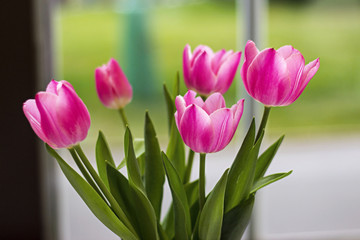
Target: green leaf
{"type": "Point", "coordinates": [139, 148]}
{"type": "Point", "coordinates": [245, 179]}
{"type": "Point", "coordinates": [145, 213]}
{"type": "Point", "coordinates": [170, 105]}
{"type": "Point", "coordinates": [162, 233]}
{"type": "Point", "coordinates": [192, 194]}
{"type": "Point", "coordinates": [95, 203]}
{"type": "Point", "coordinates": [120, 189]}
{"type": "Point", "coordinates": [141, 162]}
{"type": "Point", "coordinates": [176, 90]}
{"type": "Point", "coordinates": [168, 222]}
{"type": "Point", "coordinates": [265, 159]}
{"type": "Point", "coordinates": [176, 151]}
{"type": "Point", "coordinates": [236, 220]}
{"type": "Point", "coordinates": [212, 214]}
{"type": "Point", "coordinates": [103, 154]}
{"type": "Point", "coordinates": [238, 167]}
{"type": "Point", "coordinates": [131, 162]}
{"type": "Point", "coordinates": [180, 202]}
{"type": "Point", "coordinates": [154, 169]}
{"type": "Point", "coordinates": [264, 181]}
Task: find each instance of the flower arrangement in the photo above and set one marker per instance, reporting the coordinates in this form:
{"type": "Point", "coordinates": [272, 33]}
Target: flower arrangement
{"type": "Point", "coordinates": [130, 206]}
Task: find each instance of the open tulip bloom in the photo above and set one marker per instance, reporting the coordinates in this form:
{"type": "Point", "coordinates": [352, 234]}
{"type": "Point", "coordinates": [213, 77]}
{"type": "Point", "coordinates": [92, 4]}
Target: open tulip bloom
{"type": "Point", "coordinates": [130, 206]}
{"type": "Point", "coordinates": [207, 72]}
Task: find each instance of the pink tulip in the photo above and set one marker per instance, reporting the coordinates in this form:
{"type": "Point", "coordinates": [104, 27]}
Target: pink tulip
{"type": "Point", "coordinates": [206, 126]}
{"type": "Point", "coordinates": [207, 72]}
{"type": "Point", "coordinates": [276, 77]}
{"type": "Point", "coordinates": [112, 86]}
{"type": "Point", "coordinates": [58, 116]}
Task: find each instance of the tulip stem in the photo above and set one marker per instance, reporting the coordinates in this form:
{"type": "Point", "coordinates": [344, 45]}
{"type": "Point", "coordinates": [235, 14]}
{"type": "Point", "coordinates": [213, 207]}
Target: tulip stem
{"type": "Point", "coordinates": [123, 117]}
{"type": "Point", "coordinates": [115, 206]}
{"type": "Point", "coordinates": [84, 172]}
{"type": "Point", "coordinates": [189, 166]}
{"type": "Point", "coordinates": [202, 180]}
{"type": "Point", "coordinates": [263, 121]}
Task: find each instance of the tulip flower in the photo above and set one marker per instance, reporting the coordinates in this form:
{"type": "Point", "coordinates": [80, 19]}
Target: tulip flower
{"type": "Point", "coordinates": [276, 77]}
{"type": "Point", "coordinates": [207, 72]}
{"type": "Point", "coordinates": [206, 126]}
{"type": "Point", "coordinates": [112, 86]}
{"type": "Point", "coordinates": [58, 116]}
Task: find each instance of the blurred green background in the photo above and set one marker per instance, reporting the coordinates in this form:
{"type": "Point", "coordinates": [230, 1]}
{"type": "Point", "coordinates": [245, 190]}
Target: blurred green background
{"type": "Point", "coordinates": [89, 33]}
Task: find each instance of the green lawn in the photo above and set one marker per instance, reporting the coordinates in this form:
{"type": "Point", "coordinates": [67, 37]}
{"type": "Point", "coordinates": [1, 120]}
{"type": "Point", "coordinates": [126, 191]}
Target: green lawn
{"type": "Point", "coordinates": [89, 37]}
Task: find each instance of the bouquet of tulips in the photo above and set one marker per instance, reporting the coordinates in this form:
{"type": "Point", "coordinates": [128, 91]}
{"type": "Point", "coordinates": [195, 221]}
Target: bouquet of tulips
{"type": "Point", "coordinates": [130, 204]}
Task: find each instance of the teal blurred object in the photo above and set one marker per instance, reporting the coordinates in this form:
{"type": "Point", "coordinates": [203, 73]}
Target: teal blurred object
{"type": "Point", "coordinates": [138, 53]}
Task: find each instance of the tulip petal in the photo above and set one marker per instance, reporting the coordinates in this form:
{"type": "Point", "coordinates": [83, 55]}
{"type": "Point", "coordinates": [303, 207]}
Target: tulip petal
{"type": "Point", "coordinates": [227, 72]}
{"type": "Point", "coordinates": [250, 53]}
{"type": "Point", "coordinates": [186, 64]}
{"type": "Point", "coordinates": [73, 117]}
{"type": "Point", "coordinates": [222, 122]}
{"type": "Point", "coordinates": [196, 129]}
{"type": "Point", "coordinates": [309, 71]}
{"type": "Point", "coordinates": [217, 60]}
{"type": "Point", "coordinates": [104, 90]}
{"type": "Point", "coordinates": [286, 51]}
{"type": "Point", "coordinates": [33, 116]}
{"type": "Point", "coordinates": [189, 98]}
{"type": "Point", "coordinates": [295, 65]}
{"type": "Point", "coordinates": [118, 80]}
{"type": "Point", "coordinates": [198, 51]}
{"type": "Point", "coordinates": [180, 108]}
{"type": "Point", "coordinates": [269, 78]}
{"type": "Point", "coordinates": [214, 102]}
{"type": "Point", "coordinates": [52, 87]}
{"type": "Point", "coordinates": [46, 103]}
{"type": "Point", "coordinates": [237, 111]}
{"type": "Point", "coordinates": [203, 80]}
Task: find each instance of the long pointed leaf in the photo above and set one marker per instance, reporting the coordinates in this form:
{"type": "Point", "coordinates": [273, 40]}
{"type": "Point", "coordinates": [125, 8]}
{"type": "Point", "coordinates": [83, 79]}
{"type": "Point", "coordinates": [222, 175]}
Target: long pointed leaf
{"type": "Point", "coordinates": [238, 167]}
{"type": "Point", "coordinates": [180, 202]}
{"type": "Point", "coordinates": [131, 162]}
{"type": "Point", "coordinates": [246, 176]}
{"type": "Point", "coordinates": [139, 148]}
{"type": "Point", "coordinates": [212, 214]}
{"type": "Point", "coordinates": [145, 213]}
{"type": "Point", "coordinates": [170, 104]}
{"type": "Point", "coordinates": [154, 168]}
{"type": "Point", "coordinates": [103, 154]}
{"type": "Point", "coordinates": [176, 151]}
{"type": "Point", "coordinates": [95, 203]}
{"type": "Point", "coordinates": [264, 181]}
{"type": "Point", "coordinates": [265, 159]}
{"type": "Point", "coordinates": [120, 189]}
{"type": "Point", "coordinates": [236, 220]}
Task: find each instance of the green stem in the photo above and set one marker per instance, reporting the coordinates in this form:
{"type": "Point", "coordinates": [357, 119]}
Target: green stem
{"type": "Point", "coordinates": [263, 121]}
{"type": "Point", "coordinates": [123, 117]}
{"type": "Point", "coordinates": [84, 172]}
{"type": "Point", "coordinates": [202, 181]}
{"type": "Point", "coordinates": [115, 206]}
{"type": "Point", "coordinates": [189, 166]}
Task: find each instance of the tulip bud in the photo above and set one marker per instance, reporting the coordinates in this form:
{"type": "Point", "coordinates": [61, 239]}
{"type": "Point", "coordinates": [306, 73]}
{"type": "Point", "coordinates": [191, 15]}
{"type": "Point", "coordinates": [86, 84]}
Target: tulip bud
{"type": "Point", "coordinates": [112, 86]}
{"type": "Point", "coordinates": [207, 72]}
{"type": "Point", "coordinates": [206, 126]}
{"type": "Point", "coordinates": [276, 77]}
{"type": "Point", "coordinates": [58, 116]}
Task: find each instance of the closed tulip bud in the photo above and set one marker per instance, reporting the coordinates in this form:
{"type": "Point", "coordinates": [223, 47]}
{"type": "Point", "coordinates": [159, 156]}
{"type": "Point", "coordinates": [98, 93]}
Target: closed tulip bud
{"type": "Point", "coordinates": [207, 72]}
{"type": "Point", "coordinates": [206, 126]}
{"type": "Point", "coordinates": [276, 77]}
{"type": "Point", "coordinates": [58, 116]}
{"type": "Point", "coordinates": [112, 86]}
